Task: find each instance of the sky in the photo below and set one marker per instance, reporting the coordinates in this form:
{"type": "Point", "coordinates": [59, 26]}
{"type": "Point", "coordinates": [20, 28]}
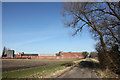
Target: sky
{"type": "Point", "coordinates": [38, 28]}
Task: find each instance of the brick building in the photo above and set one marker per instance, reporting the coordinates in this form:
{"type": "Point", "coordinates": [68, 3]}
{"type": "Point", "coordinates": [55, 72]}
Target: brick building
{"type": "Point", "coordinates": [60, 55]}
{"type": "Point", "coordinates": [70, 54]}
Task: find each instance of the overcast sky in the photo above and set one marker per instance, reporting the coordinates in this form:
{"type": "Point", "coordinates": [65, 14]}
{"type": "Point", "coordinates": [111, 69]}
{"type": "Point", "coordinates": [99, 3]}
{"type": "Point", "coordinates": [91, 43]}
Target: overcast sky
{"type": "Point", "coordinates": [38, 28]}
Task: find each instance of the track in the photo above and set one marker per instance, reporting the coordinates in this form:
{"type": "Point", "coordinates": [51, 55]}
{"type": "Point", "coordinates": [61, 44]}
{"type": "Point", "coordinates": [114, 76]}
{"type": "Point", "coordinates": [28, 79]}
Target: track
{"type": "Point", "coordinates": [85, 69]}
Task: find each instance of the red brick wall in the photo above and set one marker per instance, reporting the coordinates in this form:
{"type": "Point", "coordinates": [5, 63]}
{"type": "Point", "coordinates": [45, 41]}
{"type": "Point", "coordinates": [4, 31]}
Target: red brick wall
{"type": "Point", "coordinates": [65, 55]}
{"type": "Point", "coordinates": [45, 57]}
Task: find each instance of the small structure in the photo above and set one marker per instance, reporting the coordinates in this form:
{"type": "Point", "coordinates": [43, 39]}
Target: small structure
{"type": "Point", "coordinates": [10, 53]}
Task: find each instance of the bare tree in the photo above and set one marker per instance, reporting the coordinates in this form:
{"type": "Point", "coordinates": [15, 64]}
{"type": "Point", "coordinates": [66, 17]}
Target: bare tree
{"type": "Point", "coordinates": [102, 19]}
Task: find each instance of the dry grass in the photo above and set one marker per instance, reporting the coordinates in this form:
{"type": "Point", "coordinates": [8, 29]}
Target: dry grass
{"type": "Point", "coordinates": [104, 73]}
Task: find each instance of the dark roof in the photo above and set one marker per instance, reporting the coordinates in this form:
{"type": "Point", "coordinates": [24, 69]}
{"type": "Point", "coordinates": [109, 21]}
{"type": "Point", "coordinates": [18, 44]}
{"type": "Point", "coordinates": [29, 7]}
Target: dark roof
{"type": "Point", "coordinates": [29, 54]}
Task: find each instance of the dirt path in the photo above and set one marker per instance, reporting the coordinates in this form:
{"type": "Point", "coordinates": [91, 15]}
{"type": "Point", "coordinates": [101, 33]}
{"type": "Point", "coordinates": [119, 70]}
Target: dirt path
{"type": "Point", "coordinates": [85, 69]}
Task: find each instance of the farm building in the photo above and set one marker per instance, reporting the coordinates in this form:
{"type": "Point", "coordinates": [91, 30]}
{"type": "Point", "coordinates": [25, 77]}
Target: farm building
{"type": "Point", "coordinates": [10, 53]}
{"type": "Point", "coordinates": [58, 55]}
{"type": "Point", "coordinates": [29, 54]}
{"type": "Point", "coordinates": [22, 54]}
{"type": "Point", "coordinates": [70, 54]}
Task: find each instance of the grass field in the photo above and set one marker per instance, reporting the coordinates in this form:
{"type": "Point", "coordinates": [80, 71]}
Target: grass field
{"type": "Point", "coordinates": [34, 68]}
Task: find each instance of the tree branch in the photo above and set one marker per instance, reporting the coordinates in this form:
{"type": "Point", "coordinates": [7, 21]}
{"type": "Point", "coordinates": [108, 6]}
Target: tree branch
{"type": "Point", "coordinates": [113, 10]}
{"type": "Point", "coordinates": [79, 29]}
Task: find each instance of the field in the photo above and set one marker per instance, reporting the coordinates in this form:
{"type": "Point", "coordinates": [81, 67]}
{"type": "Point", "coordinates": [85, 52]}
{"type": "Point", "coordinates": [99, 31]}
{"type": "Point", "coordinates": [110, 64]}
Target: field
{"type": "Point", "coordinates": [21, 68]}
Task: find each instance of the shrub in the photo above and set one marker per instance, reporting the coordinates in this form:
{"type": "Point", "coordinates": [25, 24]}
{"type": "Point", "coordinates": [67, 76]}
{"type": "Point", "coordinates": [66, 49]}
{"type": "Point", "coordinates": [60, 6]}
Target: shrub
{"type": "Point", "coordinates": [110, 60]}
{"type": "Point", "coordinates": [93, 55]}
{"type": "Point", "coordinates": [85, 54]}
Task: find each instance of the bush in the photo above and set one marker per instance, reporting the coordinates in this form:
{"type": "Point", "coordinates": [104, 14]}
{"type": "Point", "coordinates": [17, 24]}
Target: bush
{"type": "Point", "coordinates": [93, 55]}
{"type": "Point", "coordinates": [85, 54]}
{"type": "Point", "coordinates": [110, 60]}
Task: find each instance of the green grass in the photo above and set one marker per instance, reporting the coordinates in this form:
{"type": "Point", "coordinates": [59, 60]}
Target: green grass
{"type": "Point", "coordinates": [34, 72]}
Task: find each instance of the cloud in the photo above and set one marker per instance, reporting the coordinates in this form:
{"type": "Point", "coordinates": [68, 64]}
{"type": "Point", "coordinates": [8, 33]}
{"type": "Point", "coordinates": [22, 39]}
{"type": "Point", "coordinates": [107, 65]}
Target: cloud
{"type": "Point", "coordinates": [16, 40]}
{"type": "Point", "coordinates": [17, 44]}
{"type": "Point", "coordinates": [47, 32]}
